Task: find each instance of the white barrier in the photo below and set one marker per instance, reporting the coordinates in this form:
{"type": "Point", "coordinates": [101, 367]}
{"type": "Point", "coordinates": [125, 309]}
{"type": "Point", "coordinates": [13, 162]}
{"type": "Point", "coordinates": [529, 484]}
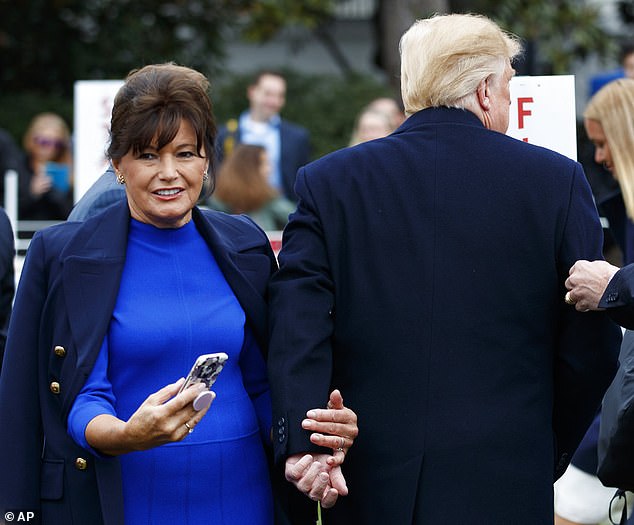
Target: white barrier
{"type": "Point", "coordinates": [20, 228]}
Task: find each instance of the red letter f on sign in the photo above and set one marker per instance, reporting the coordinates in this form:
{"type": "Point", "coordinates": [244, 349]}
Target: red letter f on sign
{"type": "Point", "coordinates": [521, 112]}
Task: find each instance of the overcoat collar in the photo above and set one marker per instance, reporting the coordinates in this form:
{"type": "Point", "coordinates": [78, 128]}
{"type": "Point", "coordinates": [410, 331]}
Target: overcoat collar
{"type": "Point", "coordinates": [440, 115]}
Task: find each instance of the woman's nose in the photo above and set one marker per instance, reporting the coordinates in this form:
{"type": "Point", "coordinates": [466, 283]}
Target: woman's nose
{"type": "Point", "coordinates": [599, 156]}
{"type": "Point", "coordinates": [168, 168]}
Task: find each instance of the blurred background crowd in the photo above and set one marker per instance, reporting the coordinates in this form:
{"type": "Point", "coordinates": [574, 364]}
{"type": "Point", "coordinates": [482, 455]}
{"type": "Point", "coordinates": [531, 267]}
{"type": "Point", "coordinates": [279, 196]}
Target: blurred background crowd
{"type": "Point", "coordinates": [336, 57]}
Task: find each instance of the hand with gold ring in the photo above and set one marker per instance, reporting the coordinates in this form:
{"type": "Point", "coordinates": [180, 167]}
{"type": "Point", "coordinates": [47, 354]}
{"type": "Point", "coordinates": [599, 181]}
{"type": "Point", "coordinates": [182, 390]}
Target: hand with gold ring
{"type": "Point", "coordinates": [165, 416]}
{"type": "Point", "coordinates": [587, 282]}
{"type": "Point", "coordinates": [334, 427]}
{"type": "Point", "coordinates": [568, 298]}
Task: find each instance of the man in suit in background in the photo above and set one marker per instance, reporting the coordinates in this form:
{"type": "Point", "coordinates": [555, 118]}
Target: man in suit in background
{"type": "Point", "coordinates": [105, 191]}
{"type": "Point", "coordinates": [423, 274]}
{"type": "Point", "coordinates": [287, 144]}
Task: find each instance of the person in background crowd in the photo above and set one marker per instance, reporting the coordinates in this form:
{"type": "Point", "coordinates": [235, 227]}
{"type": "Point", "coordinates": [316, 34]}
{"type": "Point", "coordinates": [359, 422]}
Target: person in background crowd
{"type": "Point", "coordinates": [371, 124]}
{"type": "Point", "coordinates": [608, 120]}
{"type": "Point", "coordinates": [242, 186]}
{"type": "Point", "coordinates": [47, 192]}
{"type": "Point", "coordinates": [104, 192]}
{"type": "Point", "coordinates": [626, 61]}
{"type": "Point", "coordinates": [110, 311]}
{"type": "Point", "coordinates": [7, 277]}
{"type": "Point", "coordinates": [423, 273]}
{"type": "Point", "coordinates": [287, 144]}
{"type": "Point", "coordinates": [390, 107]}
{"type": "Point", "coordinates": [594, 285]}
{"type": "Point", "coordinates": [10, 159]}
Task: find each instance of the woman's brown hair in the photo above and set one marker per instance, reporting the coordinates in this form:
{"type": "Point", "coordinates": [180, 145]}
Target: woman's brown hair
{"type": "Point", "coordinates": [240, 184]}
{"type": "Point", "coordinates": [149, 108]}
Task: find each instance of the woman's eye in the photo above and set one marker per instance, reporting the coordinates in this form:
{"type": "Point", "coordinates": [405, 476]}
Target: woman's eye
{"type": "Point", "coordinates": [186, 154]}
{"type": "Point", "coordinates": [146, 155]}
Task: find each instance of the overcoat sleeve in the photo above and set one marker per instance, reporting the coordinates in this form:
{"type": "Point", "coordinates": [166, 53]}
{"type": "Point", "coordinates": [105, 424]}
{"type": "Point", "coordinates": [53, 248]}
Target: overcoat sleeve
{"type": "Point", "coordinates": [302, 290]}
{"type": "Point", "coordinates": [588, 342]}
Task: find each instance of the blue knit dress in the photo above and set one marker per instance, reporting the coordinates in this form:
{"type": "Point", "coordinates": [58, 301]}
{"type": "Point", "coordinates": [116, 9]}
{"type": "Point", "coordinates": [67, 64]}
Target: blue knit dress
{"type": "Point", "coordinates": [173, 305]}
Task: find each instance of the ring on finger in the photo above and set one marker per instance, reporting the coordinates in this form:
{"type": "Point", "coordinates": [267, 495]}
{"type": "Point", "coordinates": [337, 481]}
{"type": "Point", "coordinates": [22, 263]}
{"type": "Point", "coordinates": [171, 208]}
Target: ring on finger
{"type": "Point", "coordinates": [340, 447]}
{"type": "Point", "coordinates": [189, 429]}
{"type": "Point", "coordinates": [568, 299]}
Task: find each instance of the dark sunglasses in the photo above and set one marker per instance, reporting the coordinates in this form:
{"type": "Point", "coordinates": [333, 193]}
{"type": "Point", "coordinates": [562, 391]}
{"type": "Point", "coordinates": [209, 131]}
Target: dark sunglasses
{"type": "Point", "coordinates": [48, 143]}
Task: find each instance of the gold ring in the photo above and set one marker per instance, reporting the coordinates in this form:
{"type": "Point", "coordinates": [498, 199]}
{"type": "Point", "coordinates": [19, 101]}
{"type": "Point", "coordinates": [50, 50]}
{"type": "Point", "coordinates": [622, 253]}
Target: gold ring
{"type": "Point", "coordinates": [568, 299]}
{"type": "Point", "coordinates": [189, 429]}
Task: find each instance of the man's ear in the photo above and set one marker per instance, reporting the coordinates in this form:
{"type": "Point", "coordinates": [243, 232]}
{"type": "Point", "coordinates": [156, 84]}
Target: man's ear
{"type": "Point", "coordinates": [483, 95]}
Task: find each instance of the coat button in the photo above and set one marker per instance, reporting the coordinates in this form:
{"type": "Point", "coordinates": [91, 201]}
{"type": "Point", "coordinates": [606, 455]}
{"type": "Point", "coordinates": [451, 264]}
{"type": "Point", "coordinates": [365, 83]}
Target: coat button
{"type": "Point", "coordinates": [60, 351]}
{"type": "Point", "coordinates": [55, 388]}
{"type": "Point", "coordinates": [81, 464]}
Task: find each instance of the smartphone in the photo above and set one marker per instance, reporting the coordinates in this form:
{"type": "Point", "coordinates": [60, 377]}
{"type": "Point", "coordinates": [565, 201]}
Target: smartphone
{"type": "Point", "coordinates": [205, 370]}
{"type": "Point", "coordinates": [59, 173]}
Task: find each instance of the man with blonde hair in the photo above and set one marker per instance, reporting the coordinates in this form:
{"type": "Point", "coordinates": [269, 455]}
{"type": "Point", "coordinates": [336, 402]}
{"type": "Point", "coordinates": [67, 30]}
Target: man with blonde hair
{"type": "Point", "coordinates": [423, 274]}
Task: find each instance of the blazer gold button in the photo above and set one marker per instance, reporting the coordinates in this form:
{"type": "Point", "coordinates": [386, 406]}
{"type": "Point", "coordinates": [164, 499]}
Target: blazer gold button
{"type": "Point", "coordinates": [60, 351]}
{"type": "Point", "coordinates": [55, 388]}
{"type": "Point", "coordinates": [81, 464]}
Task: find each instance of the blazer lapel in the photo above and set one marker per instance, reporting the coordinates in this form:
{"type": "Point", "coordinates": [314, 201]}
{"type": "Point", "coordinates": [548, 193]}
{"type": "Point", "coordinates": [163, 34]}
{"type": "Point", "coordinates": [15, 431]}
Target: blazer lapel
{"type": "Point", "coordinates": [227, 254]}
{"type": "Point", "coordinates": [92, 264]}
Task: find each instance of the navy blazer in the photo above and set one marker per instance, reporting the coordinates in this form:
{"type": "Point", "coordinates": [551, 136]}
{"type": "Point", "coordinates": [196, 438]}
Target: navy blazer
{"type": "Point", "coordinates": [618, 298]}
{"type": "Point", "coordinates": [294, 152]}
{"type": "Point", "coordinates": [423, 275]}
{"type": "Point", "coordinates": [63, 307]}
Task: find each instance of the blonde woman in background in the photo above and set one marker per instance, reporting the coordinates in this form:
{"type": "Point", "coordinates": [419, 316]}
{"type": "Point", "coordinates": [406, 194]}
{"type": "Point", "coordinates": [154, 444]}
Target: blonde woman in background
{"type": "Point", "coordinates": [371, 123]}
{"type": "Point", "coordinates": [580, 497]}
{"type": "Point", "coordinates": [46, 193]}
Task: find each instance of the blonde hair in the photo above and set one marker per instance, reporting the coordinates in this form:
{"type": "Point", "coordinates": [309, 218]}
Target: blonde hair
{"type": "Point", "coordinates": [613, 107]}
{"type": "Point", "coordinates": [48, 120]}
{"type": "Point", "coordinates": [445, 57]}
{"type": "Point", "coordinates": [240, 184]}
{"type": "Point", "coordinates": [376, 116]}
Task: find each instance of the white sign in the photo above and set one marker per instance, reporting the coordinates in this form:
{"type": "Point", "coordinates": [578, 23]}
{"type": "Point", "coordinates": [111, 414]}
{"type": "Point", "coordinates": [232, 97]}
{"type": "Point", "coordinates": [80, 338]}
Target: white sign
{"type": "Point", "coordinates": [93, 106]}
{"type": "Point", "coordinates": [543, 112]}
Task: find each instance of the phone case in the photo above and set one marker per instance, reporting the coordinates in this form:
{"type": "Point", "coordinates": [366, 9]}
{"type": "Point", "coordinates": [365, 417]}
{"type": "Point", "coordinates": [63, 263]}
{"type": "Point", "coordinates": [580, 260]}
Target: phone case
{"type": "Point", "coordinates": [205, 370]}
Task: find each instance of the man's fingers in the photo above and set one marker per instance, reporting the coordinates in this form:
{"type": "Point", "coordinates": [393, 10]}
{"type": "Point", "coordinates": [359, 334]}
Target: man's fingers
{"type": "Point", "coordinates": [336, 400]}
{"type": "Point", "coordinates": [295, 470]}
{"type": "Point", "coordinates": [333, 442]}
{"type": "Point", "coordinates": [338, 482]}
{"type": "Point", "coordinates": [310, 478]}
{"type": "Point", "coordinates": [319, 486]}
{"type": "Point", "coordinates": [325, 415]}
{"type": "Point", "coordinates": [329, 498]}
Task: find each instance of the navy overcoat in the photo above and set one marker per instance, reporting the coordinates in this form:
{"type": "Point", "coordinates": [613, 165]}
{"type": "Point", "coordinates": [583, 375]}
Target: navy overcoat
{"type": "Point", "coordinates": [423, 275]}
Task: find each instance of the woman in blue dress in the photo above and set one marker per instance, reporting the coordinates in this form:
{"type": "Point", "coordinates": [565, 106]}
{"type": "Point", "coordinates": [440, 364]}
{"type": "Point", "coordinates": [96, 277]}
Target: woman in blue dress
{"type": "Point", "coordinates": [112, 311]}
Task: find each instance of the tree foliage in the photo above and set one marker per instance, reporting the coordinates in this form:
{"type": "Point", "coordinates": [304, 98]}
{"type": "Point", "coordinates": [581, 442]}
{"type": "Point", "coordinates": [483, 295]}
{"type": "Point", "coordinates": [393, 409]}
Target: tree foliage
{"type": "Point", "coordinates": [47, 44]}
{"type": "Point", "coordinates": [557, 32]}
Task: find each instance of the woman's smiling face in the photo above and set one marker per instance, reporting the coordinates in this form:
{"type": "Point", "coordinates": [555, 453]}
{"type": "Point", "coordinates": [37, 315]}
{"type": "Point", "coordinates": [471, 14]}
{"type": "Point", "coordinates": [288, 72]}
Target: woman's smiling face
{"type": "Point", "coordinates": [162, 186]}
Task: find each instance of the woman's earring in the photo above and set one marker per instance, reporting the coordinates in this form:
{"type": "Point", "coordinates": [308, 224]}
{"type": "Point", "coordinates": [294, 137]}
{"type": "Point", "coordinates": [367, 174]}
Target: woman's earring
{"type": "Point", "coordinates": [120, 178]}
{"type": "Point", "coordinates": [205, 176]}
